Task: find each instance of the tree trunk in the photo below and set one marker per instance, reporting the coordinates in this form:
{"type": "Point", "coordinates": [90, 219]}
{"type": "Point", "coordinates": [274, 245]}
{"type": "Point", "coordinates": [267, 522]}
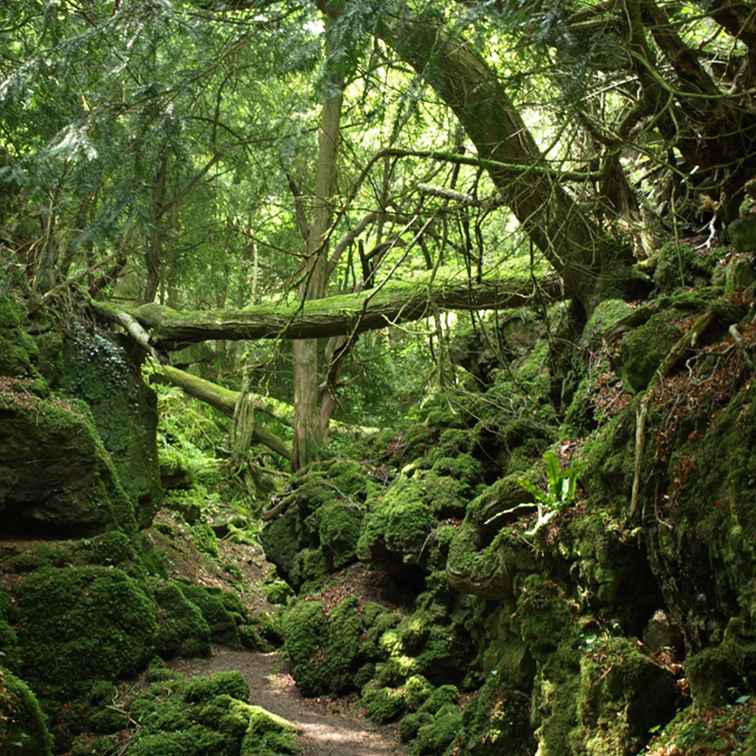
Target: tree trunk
{"type": "Point", "coordinates": [339, 315]}
{"type": "Point", "coordinates": [153, 254]}
{"type": "Point", "coordinates": [309, 433]}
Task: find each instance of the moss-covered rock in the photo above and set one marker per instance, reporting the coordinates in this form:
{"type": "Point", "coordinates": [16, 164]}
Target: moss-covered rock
{"type": "Point", "coordinates": [497, 721]}
{"type": "Point", "coordinates": [316, 532]}
{"type": "Point", "coordinates": [681, 265]}
{"type": "Point", "coordinates": [623, 694]}
{"type": "Point", "coordinates": [10, 657]}
{"type": "Point", "coordinates": [98, 370]}
{"type": "Point", "coordinates": [80, 624]}
{"type": "Point", "coordinates": [23, 731]}
{"type": "Point", "coordinates": [339, 530]}
{"type": "Point", "coordinates": [720, 674]}
{"type": "Point", "coordinates": [206, 715]}
{"type": "Point", "coordinates": [383, 705]}
{"type": "Point", "coordinates": [435, 736]}
{"type": "Point", "coordinates": [324, 650]}
{"type": "Point", "coordinates": [695, 731]}
{"type": "Point", "coordinates": [182, 628]}
{"type": "Point", "coordinates": [644, 348]}
{"type": "Point", "coordinates": [54, 470]}
{"type": "Point", "coordinates": [222, 617]}
{"type": "Point", "coordinates": [397, 525]}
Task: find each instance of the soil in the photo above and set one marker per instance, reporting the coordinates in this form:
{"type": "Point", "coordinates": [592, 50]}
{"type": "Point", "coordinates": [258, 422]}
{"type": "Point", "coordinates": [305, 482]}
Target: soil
{"type": "Point", "coordinates": [328, 726]}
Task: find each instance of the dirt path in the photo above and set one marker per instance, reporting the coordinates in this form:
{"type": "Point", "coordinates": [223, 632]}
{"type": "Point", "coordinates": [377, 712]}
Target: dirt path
{"type": "Point", "coordinates": [328, 726]}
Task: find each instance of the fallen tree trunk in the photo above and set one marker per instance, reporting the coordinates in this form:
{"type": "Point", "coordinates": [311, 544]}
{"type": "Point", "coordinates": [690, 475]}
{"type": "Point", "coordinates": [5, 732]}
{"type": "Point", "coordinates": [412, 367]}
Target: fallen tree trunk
{"type": "Point", "coordinates": [335, 316]}
{"type": "Point", "coordinates": [224, 399]}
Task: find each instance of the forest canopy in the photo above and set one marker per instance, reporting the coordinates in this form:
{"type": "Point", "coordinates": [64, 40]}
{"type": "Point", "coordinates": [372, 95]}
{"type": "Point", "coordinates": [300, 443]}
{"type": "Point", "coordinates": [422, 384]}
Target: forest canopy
{"type": "Point", "coordinates": [218, 156]}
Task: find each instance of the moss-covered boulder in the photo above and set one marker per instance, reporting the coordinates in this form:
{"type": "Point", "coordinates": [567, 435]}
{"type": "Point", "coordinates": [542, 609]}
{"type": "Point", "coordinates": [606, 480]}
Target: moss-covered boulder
{"type": "Point", "coordinates": [727, 731]}
{"type": "Point", "coordinates": [339, 530]}
{"type": "Point", "coordinates": [9, 653]}
{"type": "Point", "coordinates": [55, 474]}
{"type": "Point", "coordinates": [206, 716]}
{"type": "Point", "coordinates": [383, 704]}
{"type": "Point", "coordinates": [397, 525]}
{"type": "Point", "coordinates": [324, 649]}
{"type": "Point", "coordinates": [623, 694]}
{"type": "Point", "coordinates": [644, 348]}
{"type": "Point", "coordinates": [718, 675]}
{"type": "Point", "coordinates": [435, 736]}
{"type": "Point", "coordinates": [23, 731]}
{"type": "Point", "coordinates": [681, 265]}
{"type": "Point", "coordinates": [98, 370]}
{"type": "Point", "coordinates": [79, 624]}
{"type": "Point", "coordinates": [182, 628]}
{"type": "Point", "coordinates": [497, 721]}
{"type": "Point", "coordinates": [316, 532]}
{"type": "Point", "coordinates": [221, 610]}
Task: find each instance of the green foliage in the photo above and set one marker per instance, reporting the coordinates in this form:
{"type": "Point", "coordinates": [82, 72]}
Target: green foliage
{"type": "Point", "coordinates": [561, 484]}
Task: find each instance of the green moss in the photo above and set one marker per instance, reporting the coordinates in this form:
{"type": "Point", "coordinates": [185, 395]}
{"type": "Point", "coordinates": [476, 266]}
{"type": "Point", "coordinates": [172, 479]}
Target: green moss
{"type": "Point", "coordinates": [440, 697]}
{"type": "Point", "coordinates": [718, 675]}
{"type": "Point", "coordinates": [644, 348]}
{"type": "Point", "coordinates": [107, 720]}
{"type": "Point", "coordinates": [202, 689]}
{"type": "Point", "coordinates": [497, 721]}
{"type": "Point", "coordinates": [435, 736]}
{"type": "Point", "coordinates": [204, 539]}
{"type": "Point", "coordinates": [411, 723]}
{"type": "Point", "coordinates": [196, 716]}
{"type": "Point", "coordinates": [623, 694]}
{"type": "Point", "coordinates": [18, 352]}
{"type": "Point", "coordinates": [383, 705]}
{"type": "Point", "coordinates": [195, 740]}
{"type": "Point", "coordinates": [83, 623]}
{"type": "Point", "coordinates": [10, 657]}
{"type": "Point", "coordinates": [80, 492]}
{"type": "Point", "coordinates": [324, 651]}
{"type": "Point", "coordinates": [702, 732]}
{"type": "Point", "coordinates": [268, 735]}
{"type": "Point", "coordinates": [182, 628]}
{"type": "Point", "coordinates": [397, 524]}
{"type": "Point", "coordinates": [680, 265]}
{"type": "Point", "coordinates": [222, 622]}
{"type": "Point", "coordinates": [417, 690]}
{"type": "Point", "coordinates": [339, 530]}
{"type": "Point", "coordinates": [277, 591]}
{"type": "Point", "coordinates": [99, 371]}
{"type": "Point", "coordinates": [309, 570]}
{"type": "Point", "coordinates": [23, 731]}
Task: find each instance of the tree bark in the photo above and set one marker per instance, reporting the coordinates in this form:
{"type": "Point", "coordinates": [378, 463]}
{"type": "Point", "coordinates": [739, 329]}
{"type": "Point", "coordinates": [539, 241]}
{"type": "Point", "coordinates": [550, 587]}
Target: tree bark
{"type": "Point", "coordinates": [339, 315]}
{"type": "Point", "coordinates": [309, 433]}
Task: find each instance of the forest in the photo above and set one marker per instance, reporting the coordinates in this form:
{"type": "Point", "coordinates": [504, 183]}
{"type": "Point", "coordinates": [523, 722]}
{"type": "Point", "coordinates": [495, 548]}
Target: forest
{"type": "Point", "coordinates": [377, 377]}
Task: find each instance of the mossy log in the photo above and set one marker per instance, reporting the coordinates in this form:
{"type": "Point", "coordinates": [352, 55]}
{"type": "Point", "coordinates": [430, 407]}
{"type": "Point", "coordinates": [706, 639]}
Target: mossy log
{"type": "Point", "coordinates": [333, 316]}
{"type": "Point", "coordinates": [224, 400]}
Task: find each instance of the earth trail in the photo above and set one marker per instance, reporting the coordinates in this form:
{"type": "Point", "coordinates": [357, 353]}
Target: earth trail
{"type": "Point", "coordinates": [327, 726]}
